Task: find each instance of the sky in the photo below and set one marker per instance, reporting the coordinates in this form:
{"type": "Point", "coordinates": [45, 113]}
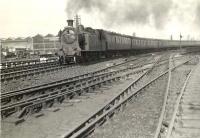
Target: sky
{"type": "Point", "coordinates": [145, 18]}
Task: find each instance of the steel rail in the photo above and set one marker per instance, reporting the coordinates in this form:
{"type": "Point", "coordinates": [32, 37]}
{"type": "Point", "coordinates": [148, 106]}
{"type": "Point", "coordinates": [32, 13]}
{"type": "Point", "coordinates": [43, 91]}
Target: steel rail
{"type": "Point", "coordinates": [157, 133]}
{"type": "Point", "coordinates": [26, 64]}
{"type": "Point", "coordinates": [71, 83]}
{"type": "Point", "coordinates": [108, 110]}
{"type": "Point", "coordinates": [36, 89]}
{"type": "Point", "coordinates": [31, 72]}
{"type": "Point", "coordinates": [52, 96]}
{"type": "Point", "coordinates": [69, 93]}
{"type": "Point", "coordinates": [18, 72]}
{"type": "Point", "coordinates": [177, 103]}
{"type": "Point", "coordinates": [25, 102]}
{"type": "Point", "coordinates": [68, 80]}
{"type": "Point", "coordinates": [161, 118]}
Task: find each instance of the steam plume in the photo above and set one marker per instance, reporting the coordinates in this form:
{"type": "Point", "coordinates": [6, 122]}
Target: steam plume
{"type": "Point", "coordinates": [120, 12]}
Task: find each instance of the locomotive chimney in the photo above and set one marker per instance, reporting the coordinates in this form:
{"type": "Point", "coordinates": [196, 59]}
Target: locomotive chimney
{"type": "Point", "coordinates": [70, 22]}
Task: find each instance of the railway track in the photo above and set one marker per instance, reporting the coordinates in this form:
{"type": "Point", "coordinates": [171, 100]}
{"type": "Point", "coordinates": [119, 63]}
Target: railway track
{"type": "Point", "coordinates": [172, 116]}
{"type": "Point", "coordinates": [33, 69]}
{"type": "Point", "coordinates": [82, 85]}
{"type": "Point", "coordinates": [11, 66]}
{"type": "Point", "coordinates": [186, 116]}
{"type": "Point", "coordinates": [115, 105]}
{"type": "Point", "coordinates": [32, 97]}
{"type": "Point", "coordinates": [157, 133]}
{"type": "Point", "coordinates": [75, 78]}
{"type": "Point", "coordinates": [16, 100]}
{"type": "Point", "coordinates": [29, 69]}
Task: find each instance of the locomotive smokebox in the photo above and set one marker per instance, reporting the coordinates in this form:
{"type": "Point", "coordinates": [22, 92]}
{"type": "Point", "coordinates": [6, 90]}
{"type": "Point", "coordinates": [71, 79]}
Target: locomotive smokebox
{"type": "Point", "coordinates": [70, 23]}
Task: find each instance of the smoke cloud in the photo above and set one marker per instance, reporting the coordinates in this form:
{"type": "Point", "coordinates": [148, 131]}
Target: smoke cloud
{"type": "Point", "coordinates": [75, 6]}
{"type": "Point", "coordinates": [119, 12]}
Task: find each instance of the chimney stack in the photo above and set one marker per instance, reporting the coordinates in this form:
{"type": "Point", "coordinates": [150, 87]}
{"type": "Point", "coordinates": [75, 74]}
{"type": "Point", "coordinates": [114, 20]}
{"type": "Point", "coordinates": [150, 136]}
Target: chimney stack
{"type": "Point", "coordinates": [70, 23]}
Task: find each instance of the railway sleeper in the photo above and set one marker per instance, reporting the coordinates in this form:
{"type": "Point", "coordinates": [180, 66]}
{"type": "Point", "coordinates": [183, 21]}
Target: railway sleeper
{"type": "Point", "coordinates": [88, 88]}
{"type": "Point", "coordinates": [7, 113]}
{"type": "Point", "coordinates": [12, 99]}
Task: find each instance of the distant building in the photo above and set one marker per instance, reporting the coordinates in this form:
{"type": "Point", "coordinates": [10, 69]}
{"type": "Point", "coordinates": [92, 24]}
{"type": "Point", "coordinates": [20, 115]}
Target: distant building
{"type": "Point", "coordinates": [38, 44]}
{"type": "Point", "coordinates": [11, 44]}
{"type": "Point", "coordinates": [45, 44]}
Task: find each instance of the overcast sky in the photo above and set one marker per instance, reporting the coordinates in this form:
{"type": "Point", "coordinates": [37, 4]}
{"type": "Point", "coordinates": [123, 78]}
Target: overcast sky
{"type": "Point", "coordinates": [146, 18]}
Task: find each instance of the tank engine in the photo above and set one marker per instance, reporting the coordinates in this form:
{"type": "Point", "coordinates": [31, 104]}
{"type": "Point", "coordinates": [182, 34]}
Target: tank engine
{"type": "Point", "coordinates": [79, 44]}
{"type": "Point", "coordinates": [69, 47]}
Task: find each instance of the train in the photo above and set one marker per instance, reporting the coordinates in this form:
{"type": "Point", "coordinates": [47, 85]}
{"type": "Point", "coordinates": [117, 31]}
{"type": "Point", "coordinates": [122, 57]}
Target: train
{"type": "Point", "coordinates": [79, 44]}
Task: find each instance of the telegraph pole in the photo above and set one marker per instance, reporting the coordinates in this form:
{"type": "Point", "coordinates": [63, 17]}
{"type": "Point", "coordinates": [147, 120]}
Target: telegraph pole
{"type": "Point", "coordinates": [171, 37]}
{"type": "Point", "coordinates": [180, 40]}
{"type": "Point", "coordinates": [32, 45]}
{"type": "Point", "coordinates": [78, 22]}
{"type": "Point", "coordinates": [43, 45]}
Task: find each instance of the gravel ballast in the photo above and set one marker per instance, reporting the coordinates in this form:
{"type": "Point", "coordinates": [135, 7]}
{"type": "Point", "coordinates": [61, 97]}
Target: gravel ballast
{"type": "Point", "coordinates": [56, 124]}
{"type": "Point", "coordinates": [139, 118]}
{"type": "Point", "coordinates": [55, 76]}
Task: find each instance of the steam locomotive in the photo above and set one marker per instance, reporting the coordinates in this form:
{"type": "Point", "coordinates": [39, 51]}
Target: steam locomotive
{"type": "Point", "coordinates": [79, 44]}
